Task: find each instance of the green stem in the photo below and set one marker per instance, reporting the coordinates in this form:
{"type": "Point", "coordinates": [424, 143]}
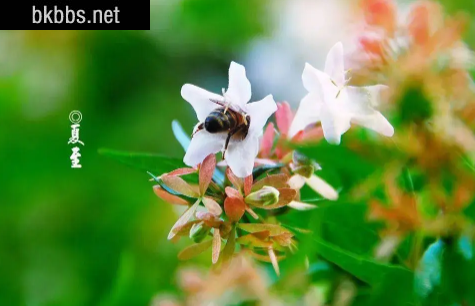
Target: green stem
{"type": "Point", "coordinates": [416, 250]}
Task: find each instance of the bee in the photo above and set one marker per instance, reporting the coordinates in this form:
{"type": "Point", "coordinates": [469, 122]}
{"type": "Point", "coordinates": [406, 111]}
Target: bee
{"type": "Point", "coordinates": [226, 119]}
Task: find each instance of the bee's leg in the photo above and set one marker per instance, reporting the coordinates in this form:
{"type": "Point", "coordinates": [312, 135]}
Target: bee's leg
{"type": "Point", "coordinates": [227, 104]}
{"type": "Point", "coordinates": [227, 107]}
{"type": "Point", "coordinates": [197, 129]}
{"type": "Point", "coordinates": [230, 134]}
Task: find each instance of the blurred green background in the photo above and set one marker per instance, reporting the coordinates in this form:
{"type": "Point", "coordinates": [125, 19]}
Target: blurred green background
{"type": "Point", "coordinates": [97, 235]}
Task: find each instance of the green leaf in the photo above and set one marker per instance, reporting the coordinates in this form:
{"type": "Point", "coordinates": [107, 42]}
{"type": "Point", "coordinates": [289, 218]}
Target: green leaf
{"type": "Point", "coordinates": [467, 162]}
{"type": "Point", "coordinates": [363, 268]}
{"type": "Point", "coordinates": [124, 278]}
{"type": "Point", "coordinates": [395, 289]}
{"type": "Point", "coordinates": [408, 182]}
{"type": "Point", "coordinates": [469, 211]}
{"type": "Point", "coordinates": [414, 106]}
{"type": "Point", "coordinates": [388, 284]}
{"type": "Point", "coordinates": [342, 224]}
{"type": "Point", "coordinates": [145, 161]}
{"type": "Point", "coordinates": [346, 225]}
{"type": "Point", "coordinates": [230, 246]}
{"type": "Point", "coordinates": [350, 166]}
{"type": "Point", "coordinates": [446, 273]}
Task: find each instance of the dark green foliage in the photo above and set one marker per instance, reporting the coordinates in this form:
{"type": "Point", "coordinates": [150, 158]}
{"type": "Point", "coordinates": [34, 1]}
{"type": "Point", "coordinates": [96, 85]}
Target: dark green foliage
{"type": "Point", "coordinates": [414, 107]}
{"type": "Point", "coordinates": [446, 273]}
{"type": "Point", "coordinates": [155, 163]}
{"type": "Point", "coordinates": [350, 166]}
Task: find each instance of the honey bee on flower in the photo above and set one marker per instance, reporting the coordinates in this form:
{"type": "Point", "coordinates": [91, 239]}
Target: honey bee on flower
{"type": "Point", "coordinates": [227, 122]}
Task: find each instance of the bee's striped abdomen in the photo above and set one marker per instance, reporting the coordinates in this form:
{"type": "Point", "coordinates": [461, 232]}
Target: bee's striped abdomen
{"type": "Point", "coordinates": [217, 121]}
{"type": "Point", "coordinates": [232, 119]}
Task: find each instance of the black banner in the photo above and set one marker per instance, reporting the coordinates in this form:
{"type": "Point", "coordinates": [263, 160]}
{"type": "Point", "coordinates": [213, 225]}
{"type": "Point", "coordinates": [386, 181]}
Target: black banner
{"type": "Point", "coordinates": [75, 15]}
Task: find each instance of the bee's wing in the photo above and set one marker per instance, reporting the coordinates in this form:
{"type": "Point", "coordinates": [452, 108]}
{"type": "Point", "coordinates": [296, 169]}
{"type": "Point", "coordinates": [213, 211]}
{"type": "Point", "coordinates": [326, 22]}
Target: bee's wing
{"type": "Point", "coordinates": [229, 105]}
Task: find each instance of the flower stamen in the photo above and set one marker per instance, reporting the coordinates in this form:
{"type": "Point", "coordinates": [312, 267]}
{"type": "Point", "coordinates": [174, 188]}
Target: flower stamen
{"type": "Point", "coordinates": [343, 87]}
{"type": "Point", "coordinates": [227, 102]}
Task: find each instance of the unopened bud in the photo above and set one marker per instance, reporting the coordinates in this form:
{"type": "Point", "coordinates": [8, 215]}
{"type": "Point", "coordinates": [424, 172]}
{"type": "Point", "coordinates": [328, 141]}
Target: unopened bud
{"type": "Point", "coordinates": [267, 195]}
{"type": "Point", "coordinates": [305, 171]}
{"type": "Point", "coordinates": [198, 232]}
{"type": "Point", "coordinates": [300, 159]}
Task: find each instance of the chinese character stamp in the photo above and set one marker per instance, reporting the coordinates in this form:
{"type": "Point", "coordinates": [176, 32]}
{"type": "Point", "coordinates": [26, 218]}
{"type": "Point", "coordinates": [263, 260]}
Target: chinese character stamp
{"type": "Point", "coordinates": [75, 163]}
{"type": "Point", "coordinates": [75, 117]}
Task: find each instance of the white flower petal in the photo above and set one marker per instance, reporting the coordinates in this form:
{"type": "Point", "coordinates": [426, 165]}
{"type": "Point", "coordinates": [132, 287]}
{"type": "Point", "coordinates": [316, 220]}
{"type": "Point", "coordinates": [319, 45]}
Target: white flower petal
{"type": "Point", "coordinates": [199, 98]}
{"type": "Point", "coordinates": [265, 161]}
{"type": "Point", "coordinates": [319, 83]}
{"type": "Point", "coordinates": [340, 103]}
{"type": "Point", "coordinates": [376, 122]}
{"type": "Point", "coordinates": [307, 113]}
{"type": "Point", "coordinates": [337, 104]}
{"type": "Point", "coordinates": [334, 125]}
{"type": "Point", "coordinates": [334, 66]}
{"type": "Point", "coordinates": [241, 154]}
{"type": "Point", "coordinates": [239, 87]}
{"type": "Point", "coordinates": [362, 100]}
{"type": "Point", "coordinates": [387, 247]}
{"type": "Point", "coordinates": [202, 144]}
{"type": "Point", "coordinates": [222, 163]}
{"type": "Point", "coordinates": [296, 182]}
{"type": "Point", "coordinates": [360, 104]}
{"type": "Point", "coordinates": [301, 206]}
{"type": "Point", "coordinates": [311, 81]}
{"type": "Point", "coordinates": [259, 112]}
{"type": "Point", "coordinates": [322, 187]}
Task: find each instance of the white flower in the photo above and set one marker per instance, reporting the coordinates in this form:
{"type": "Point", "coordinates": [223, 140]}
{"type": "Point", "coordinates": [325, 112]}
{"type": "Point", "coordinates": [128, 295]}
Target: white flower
{"type": "Point", "coordinates": [334, 104]}
{"type": "Point", "coordinates": [240, 154]}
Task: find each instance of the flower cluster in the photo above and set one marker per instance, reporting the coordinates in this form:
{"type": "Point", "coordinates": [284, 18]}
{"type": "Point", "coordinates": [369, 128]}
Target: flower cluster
{"type": "Point", "coordinates": [260, 170]}
{"type": "Point", "coordinates": [242, 281]}
{"type": "Point", "coordinates": [420, 46]}
{"type": "Point", "coordinates": [421, 56]}
{"type": "Point", "coordinates": [422, 36]}
{"type": "Point", "coordinates": [405, 209]}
